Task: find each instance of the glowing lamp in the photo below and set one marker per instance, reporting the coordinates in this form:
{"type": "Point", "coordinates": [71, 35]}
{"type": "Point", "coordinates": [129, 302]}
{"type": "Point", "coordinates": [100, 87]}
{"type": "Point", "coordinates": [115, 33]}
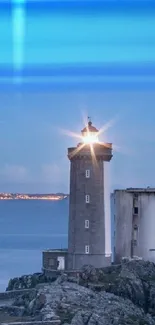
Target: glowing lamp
{"type": "Point", "coordinates": [90, 134]}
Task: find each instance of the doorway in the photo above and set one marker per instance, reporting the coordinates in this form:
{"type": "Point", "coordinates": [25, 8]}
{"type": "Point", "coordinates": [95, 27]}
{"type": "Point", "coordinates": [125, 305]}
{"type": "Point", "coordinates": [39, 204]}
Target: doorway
{"type": "Point", "coordinates": [61, 262]}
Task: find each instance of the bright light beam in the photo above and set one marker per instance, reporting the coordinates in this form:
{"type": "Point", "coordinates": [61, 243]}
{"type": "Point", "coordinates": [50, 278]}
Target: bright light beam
{"type": "Point", "coordinates": [106, 126]}
{"type": "Point", "coordinates": [71, 134]}
{"type": "Point", "coordinates": [18, 23]}
{"type": "Point", "coordinates": [91, 139]}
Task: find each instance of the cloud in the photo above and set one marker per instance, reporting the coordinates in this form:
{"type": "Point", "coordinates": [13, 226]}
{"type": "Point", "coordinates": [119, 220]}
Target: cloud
{"type": "Point", "coordinates": [14, 173]}
{"type": "Point", "coordinates": [46, 178]}
{"type": "Point", "coordinates": [52, 173]}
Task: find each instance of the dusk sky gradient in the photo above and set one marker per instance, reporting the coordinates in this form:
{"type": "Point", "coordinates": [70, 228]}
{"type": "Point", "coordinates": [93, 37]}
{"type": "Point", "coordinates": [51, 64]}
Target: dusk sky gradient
{"type": "Point", "coordinates": [62, 60]}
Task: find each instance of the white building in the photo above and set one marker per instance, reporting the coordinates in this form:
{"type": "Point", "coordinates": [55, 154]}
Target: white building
{"type": "Point", "coordinates": [133, 219]}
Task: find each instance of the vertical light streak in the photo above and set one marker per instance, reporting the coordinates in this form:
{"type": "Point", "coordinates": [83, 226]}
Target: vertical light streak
{"type": "Point", "coordinates": [18, 27]}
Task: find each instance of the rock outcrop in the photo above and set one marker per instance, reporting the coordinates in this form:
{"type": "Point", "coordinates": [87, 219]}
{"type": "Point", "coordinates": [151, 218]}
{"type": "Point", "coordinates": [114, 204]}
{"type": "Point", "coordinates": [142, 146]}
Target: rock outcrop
{"type": "Point", "coordinates": [74, 304]}
{"type": "Point", "coordinates": [134, 280]}
{"type": "Point", "coordinates": [27, 281]}
{"type": "Point", "coordinates": [119, 295]}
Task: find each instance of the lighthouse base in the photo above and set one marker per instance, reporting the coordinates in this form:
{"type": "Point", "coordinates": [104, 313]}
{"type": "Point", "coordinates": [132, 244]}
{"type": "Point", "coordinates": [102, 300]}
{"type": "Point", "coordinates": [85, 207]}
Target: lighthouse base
{"type": "Point", "coordinates": [77, 261]}
{"type": "Point", "coordinates": [61, 260]}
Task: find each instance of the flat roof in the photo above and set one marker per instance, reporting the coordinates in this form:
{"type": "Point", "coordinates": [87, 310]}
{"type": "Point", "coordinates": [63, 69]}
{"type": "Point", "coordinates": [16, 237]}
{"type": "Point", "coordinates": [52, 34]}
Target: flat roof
{"type": "Point", "coordinates": [55, 250]}
{"type": "Point", "coordinates": [138, 189]}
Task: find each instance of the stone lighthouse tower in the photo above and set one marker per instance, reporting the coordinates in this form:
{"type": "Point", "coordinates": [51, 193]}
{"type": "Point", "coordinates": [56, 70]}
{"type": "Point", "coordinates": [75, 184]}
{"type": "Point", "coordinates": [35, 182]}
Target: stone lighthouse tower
{"type": "Point", "coordinates": [87, 214]}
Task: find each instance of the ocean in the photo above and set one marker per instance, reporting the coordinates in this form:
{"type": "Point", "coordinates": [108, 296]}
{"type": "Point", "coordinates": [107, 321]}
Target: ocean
{"type": "Point", "coordinates": [26, 228]}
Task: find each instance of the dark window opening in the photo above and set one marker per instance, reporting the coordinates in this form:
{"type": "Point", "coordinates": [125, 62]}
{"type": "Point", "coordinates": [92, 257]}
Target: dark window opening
{"type": "Point", "coordinates": [135, 210]}
{"type": "Point", "coordinates": [134, 242]}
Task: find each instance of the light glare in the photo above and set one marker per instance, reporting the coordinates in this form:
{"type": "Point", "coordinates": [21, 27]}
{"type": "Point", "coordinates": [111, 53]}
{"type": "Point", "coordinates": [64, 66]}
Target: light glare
{"type": "Point", "coordinates": [90, 138]}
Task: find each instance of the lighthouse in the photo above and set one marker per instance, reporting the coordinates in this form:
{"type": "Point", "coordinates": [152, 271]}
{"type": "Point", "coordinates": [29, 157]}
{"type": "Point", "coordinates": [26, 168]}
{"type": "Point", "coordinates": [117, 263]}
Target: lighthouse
{"type": "Point", "coordinates": [89, 225]}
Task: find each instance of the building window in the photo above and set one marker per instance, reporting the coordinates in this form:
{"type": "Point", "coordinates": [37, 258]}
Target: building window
{"type": "Point", "coordinates": [134, 242]}
{"type": "Point", "coordinates": [51, 262]}
{"type": "Point", "coordinates": [87, 173]}
{"type": "Point", "coordinates": [87, 198]}
{"type": "Point", "coordinates": [86, 223]}
{"type": "Point", "coordinates": [135, 210]}
{"type": "Point", "coordinates": [135, 233]}
{"type": "Point", "coordinates": [87, 249]}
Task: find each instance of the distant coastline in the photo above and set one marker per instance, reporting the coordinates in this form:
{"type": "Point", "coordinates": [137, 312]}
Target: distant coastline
{"type": "Point", "coordinates": [21, 196]}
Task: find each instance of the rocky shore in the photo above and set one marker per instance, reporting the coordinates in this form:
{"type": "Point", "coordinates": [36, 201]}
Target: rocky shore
{"type": "Point", "coordinates": [117, 295]}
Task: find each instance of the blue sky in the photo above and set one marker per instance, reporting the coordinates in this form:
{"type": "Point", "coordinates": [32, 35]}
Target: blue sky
{"type": "Point", "coordinates": [62, 60]}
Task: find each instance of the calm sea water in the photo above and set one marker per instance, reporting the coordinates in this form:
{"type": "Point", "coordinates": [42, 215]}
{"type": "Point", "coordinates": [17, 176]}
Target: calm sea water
{"type": "Point", "coordinates": [26, 228]}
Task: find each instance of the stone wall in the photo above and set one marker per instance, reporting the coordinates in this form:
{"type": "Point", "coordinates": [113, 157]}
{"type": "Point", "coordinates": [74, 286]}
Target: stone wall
{"type": "Point", "coordinates": [80, 237]}
{"type": "Point", "coordinates": [50, 258]}
{"type": "Point", "coordinates": [71, 275]}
